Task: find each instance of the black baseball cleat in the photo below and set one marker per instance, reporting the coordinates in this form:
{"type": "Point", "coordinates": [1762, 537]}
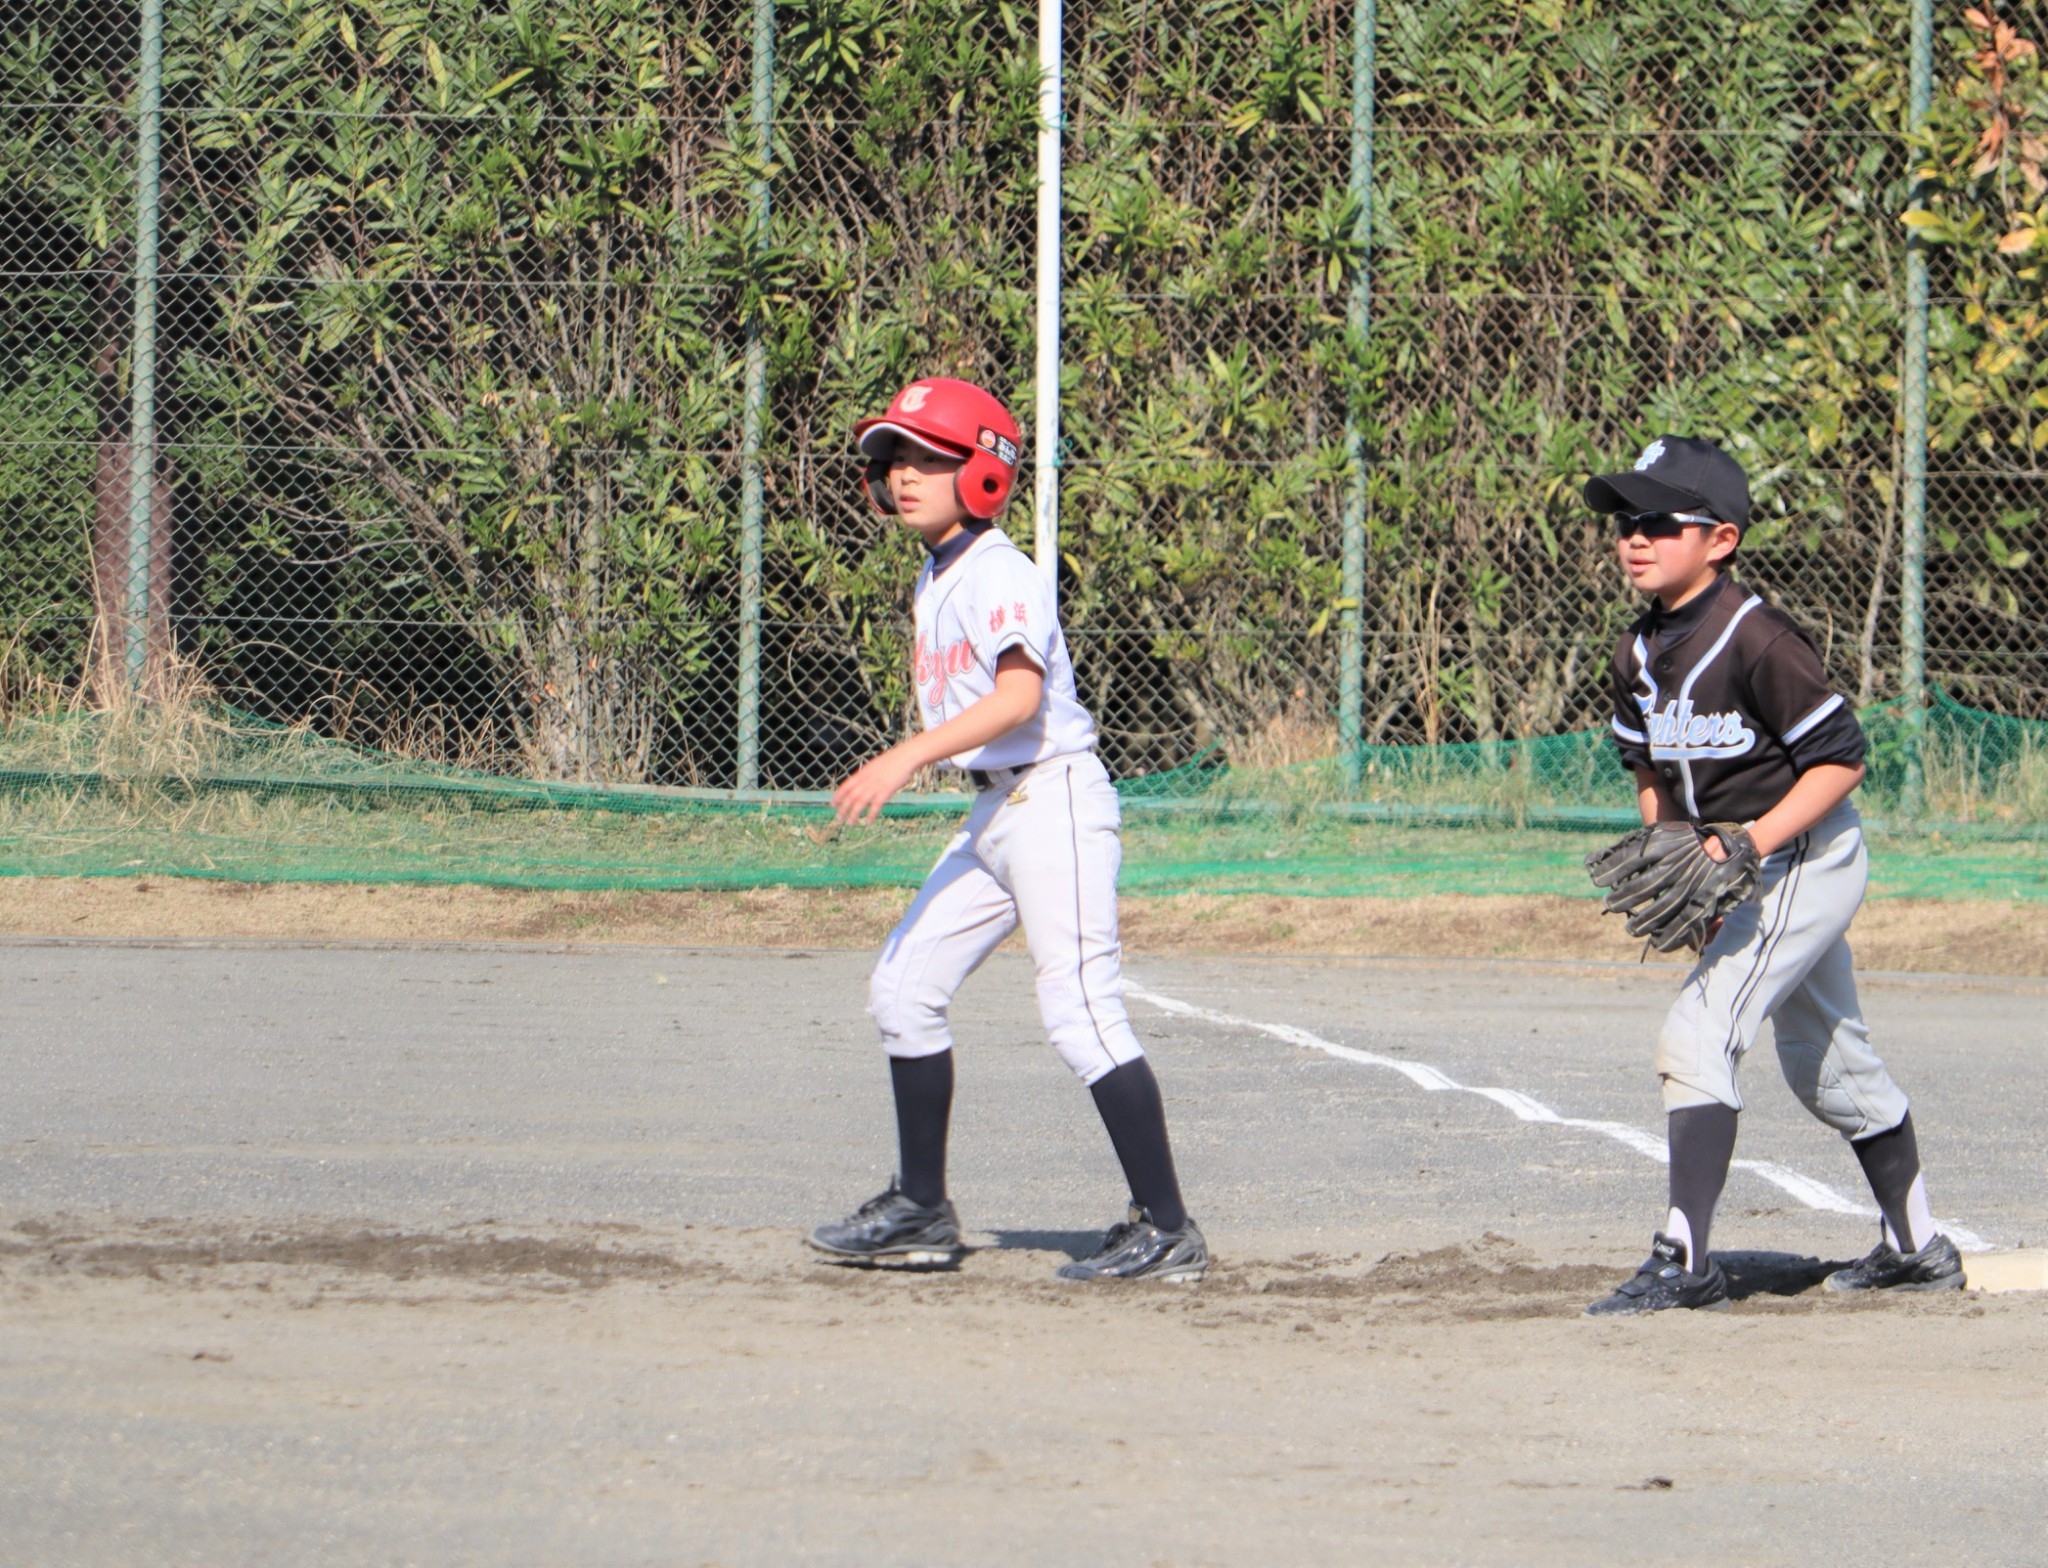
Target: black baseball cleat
{"type": "Point", "coordinates": [1660, 1284]}
{"type": "Point", "coordinates": [1936, 1266]}
{"type": "Point", "coordinates": [1135, 1248]}
{"type": "Point", "coordinates": [893, 1230]}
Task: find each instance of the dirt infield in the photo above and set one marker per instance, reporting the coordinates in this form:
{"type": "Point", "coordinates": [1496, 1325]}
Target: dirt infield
{"type": "Point", "coordinates": [714, 1397]}
{"type": "Point", "coordinates": [1916, 935]}
{"type": "Point", "coordinates": [351, 1253]}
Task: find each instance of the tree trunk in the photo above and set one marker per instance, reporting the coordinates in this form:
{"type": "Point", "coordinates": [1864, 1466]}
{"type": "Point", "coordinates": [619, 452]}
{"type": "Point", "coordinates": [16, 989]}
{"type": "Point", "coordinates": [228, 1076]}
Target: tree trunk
{"type": "Point", "coordinates": [589, 718]}
{"type": "Point", "coordinates": [111, 575]}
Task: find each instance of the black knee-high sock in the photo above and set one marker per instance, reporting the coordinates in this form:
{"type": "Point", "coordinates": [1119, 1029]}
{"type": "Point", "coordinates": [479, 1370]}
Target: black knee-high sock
{"type": "Point", "coordinates": [1128, 1098]}
{"type": "Point", "coordinates": [924, 1105]}
{"type": "Point", "coordinates": [1702, 1139]}
{"type": "Point", "coordinates": [1891, 1164]}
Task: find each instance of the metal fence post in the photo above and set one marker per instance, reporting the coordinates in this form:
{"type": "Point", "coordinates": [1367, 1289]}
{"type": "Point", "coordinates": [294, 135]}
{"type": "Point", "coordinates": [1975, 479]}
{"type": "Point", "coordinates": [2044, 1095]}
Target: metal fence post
{"type": "Point", "coordinates": [1351, 647]}
{"type": "Point", "coordinates": [142, 361]}
{"type": "Point", "coordinates": [1045, 391]}
{"type": "Point", "coordinates": [1913, 496]}
{"type": "Point", "coordinates": [754, 419]}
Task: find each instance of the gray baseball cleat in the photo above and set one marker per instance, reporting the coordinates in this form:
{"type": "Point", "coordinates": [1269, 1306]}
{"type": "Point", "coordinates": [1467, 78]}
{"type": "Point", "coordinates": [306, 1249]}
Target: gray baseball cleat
{"type": "Point", "coordinates": [1135, 1248]}
{"type": "Point", "coordinates": [1936, 1266]}
{"type": "Point", "coordinates": [893, 1230]}
{"type": "Point", "coordinates": [1662, 1284]}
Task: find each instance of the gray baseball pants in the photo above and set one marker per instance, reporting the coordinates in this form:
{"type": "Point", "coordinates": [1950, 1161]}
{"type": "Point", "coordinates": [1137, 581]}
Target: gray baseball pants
{"type": "Point", "coordinates": [1784, 955]}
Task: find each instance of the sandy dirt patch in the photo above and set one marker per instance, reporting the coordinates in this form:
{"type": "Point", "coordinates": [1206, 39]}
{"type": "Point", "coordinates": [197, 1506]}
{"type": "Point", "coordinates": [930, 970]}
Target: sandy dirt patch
{"type": "Point", "coordinates": [715, 1397]}
{"type": "Point", "coordinates": [1926, 935]}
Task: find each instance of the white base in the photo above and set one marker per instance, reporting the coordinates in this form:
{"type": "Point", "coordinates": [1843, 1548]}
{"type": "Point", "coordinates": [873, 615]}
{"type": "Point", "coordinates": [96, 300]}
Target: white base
{"type": "Point", "coordinates": [1995, 1272]}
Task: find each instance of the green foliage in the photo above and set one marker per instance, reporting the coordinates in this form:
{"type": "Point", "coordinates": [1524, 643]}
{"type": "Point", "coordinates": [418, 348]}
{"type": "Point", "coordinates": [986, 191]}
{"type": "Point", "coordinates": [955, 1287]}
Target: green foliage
{"type": "Point", "coordinates": [1982, 212]}
{"type": "Point", "coordinates": [462, 279]}
{"type": "Point", "coordinates": [1622, 222]}
{"type": "Point", "coordinates": [455, 378]}
{"type": "Point", "coordinates": [46, 468]}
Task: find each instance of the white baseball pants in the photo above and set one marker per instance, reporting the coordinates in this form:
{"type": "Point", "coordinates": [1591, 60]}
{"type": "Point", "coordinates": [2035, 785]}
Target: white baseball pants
{"type": "Point", "coordinates": [1041, 849]}
{"type": "Point", "coordinates": [1784, 956]}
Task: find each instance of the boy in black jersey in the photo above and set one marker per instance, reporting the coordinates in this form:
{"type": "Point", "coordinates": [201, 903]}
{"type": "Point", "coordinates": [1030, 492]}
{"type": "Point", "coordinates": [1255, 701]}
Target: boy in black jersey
{"type": "Point", "coordinates": [1723, 713]}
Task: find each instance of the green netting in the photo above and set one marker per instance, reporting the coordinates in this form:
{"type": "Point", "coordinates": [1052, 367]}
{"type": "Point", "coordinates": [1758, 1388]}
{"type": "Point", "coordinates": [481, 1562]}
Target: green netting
{"type": "Point", "coordinates": [219, 794]}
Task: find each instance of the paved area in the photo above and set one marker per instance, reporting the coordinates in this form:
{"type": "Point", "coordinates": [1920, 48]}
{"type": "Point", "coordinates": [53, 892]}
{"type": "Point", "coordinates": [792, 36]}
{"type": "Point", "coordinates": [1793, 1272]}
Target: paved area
{"type": "Point", "coordinates": [195, 1139]}
{"type": "Point", "coordinates": [432, 1087]}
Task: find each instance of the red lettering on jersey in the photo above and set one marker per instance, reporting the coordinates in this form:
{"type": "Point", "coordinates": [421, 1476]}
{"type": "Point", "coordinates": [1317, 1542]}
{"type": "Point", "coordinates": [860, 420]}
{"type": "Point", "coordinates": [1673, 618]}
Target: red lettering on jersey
{"type": "Point", "coordinates": [933, 669]}
{"type": "Point", "coordinates": [1018, 611]}
{"type": "Point", "coordinates": [995, 619]}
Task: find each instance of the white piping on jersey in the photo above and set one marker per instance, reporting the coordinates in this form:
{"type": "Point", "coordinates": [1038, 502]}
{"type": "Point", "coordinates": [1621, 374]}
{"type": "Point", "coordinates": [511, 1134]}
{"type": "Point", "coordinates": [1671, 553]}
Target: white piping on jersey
{"type": "Point", "coordinates": [1684, 706]}
{"type": "Point", "coordinates": [1723, 735]}
{"type": "Point", "coordinates": [1720, 642]}
{"type": "Point", "coordinates": [1643, 673]}
{"type": "Point", "coordinates": [1813, 718]}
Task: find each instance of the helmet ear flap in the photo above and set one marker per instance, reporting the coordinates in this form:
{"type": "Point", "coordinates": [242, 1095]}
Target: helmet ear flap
{"type": "Point", "coordinates": [876, 481]}
{"type": "Point", "coordinates": [982, 485]}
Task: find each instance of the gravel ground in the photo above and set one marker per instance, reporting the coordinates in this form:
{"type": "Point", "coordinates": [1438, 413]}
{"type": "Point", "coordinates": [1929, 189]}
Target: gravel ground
{"type": "Point", "coordinates": [390, 1253]}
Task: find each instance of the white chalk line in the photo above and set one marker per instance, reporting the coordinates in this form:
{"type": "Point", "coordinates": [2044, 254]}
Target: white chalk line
{"type": "Point", "coordinates": [1814, 1194]}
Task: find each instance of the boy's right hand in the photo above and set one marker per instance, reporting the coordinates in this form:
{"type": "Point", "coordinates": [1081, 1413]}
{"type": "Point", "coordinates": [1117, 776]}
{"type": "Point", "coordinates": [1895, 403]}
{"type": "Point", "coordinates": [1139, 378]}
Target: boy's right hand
{"type": "Point", "coordinates": [1020, 689]}
{"type": "Point", "coordinates": [862, 794]}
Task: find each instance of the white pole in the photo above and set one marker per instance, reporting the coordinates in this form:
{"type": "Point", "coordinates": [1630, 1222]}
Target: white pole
{"type": "Point", "coordinates": [142, 590]}
{"type": "Point", "coordinates": [1046, 385]}
{"type": "Point", "coordinates": [754, 423]}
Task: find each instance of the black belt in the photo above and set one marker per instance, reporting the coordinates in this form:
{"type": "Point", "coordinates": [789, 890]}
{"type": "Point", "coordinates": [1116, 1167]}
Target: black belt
{"type": "Point", "coordinates": [984, 779]}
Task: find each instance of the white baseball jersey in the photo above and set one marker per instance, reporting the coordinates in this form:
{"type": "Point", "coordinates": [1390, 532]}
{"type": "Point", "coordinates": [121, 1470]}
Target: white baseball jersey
{"type": "Point", "coordinates": [990, 598]}
{"type": "Point", "coordinates": [1040, 849]}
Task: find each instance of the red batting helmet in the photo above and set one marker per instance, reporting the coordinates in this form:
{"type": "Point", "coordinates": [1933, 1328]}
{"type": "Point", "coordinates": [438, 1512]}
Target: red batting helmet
{"type": "Point", "coordinates": [954, 419]}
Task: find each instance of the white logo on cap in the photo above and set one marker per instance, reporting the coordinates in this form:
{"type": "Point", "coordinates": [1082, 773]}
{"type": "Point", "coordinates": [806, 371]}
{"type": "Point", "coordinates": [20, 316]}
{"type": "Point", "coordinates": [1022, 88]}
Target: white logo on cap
{"type": "Point", "coordinates": [913, 399]}
{"type": "Point", "coordinates": [1650, 455]}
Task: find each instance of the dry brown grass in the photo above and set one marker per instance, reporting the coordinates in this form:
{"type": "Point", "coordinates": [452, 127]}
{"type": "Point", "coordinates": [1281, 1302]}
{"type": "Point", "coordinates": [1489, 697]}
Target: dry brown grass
{"type": "Point", "coordinates": [175, 729]}
{"type": "Point", "coordinates": [1898, 934]}
{"type": "Point", "coordinates": [1299, 733]}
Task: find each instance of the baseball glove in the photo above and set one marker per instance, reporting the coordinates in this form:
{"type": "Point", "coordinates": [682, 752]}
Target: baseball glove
{"type": "Point", "coordinates": [1672, 891]}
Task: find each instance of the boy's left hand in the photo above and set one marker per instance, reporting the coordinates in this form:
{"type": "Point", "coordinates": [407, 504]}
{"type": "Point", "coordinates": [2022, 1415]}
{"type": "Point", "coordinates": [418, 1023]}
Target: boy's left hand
{"type": "Point", "coordinates": [862, 795]}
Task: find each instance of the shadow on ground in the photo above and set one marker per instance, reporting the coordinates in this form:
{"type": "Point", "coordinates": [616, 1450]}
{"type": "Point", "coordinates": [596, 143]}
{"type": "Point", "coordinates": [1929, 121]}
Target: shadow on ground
{"type": "Point", "coordinates": [1074, 1243]}
{"type": "Point", "coordinates": [1772, 1273]}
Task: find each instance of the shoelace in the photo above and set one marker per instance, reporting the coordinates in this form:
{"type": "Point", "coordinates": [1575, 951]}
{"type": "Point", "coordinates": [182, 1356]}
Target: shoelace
{"type": "Point", "coordinates": [878, 1205]}
{"type": "Point", "coordinates": [1118, 1234]}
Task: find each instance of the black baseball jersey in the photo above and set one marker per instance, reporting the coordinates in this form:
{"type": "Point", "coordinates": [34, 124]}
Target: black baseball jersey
{"type": "Point", "coordinates": [1726, 698]}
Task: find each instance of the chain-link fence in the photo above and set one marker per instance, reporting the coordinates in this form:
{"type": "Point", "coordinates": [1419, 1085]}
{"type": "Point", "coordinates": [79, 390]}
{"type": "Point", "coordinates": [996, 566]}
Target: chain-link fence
{"type": "Point", "coordinates": [454, 307]}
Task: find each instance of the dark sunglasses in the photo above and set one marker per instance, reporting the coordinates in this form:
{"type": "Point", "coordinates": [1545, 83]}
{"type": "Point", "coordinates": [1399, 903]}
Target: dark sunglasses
{"type": "Point", "coordinates": [1658, 525]}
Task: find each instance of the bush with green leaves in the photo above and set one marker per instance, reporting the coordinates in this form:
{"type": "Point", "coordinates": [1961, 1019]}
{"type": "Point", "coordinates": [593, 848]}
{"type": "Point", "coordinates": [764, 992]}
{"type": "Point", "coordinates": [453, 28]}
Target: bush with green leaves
{"type": "Point", "coordinates": [1982, 213]}
{"type": "Point", "coordinates": [454, 373]}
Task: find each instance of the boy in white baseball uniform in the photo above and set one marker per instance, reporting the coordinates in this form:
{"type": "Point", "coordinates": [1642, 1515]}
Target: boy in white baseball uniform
{"type": "Point", "coordinates": [1723, 713]}
{"type": "Point", "coordinates": [1039, 848]}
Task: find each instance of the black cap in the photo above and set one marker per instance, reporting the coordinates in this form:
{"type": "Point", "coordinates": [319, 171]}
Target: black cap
{"type": "Point", "coordinates": [1676, 474]}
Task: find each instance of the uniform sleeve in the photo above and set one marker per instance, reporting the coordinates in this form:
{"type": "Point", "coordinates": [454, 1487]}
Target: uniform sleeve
{"type": "Point", "coordinates": [1013, 608]}
{"type": "Point", "coordinates": [1789, 692]}
{"type": "Point", "coordinates": [1627, 727]}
